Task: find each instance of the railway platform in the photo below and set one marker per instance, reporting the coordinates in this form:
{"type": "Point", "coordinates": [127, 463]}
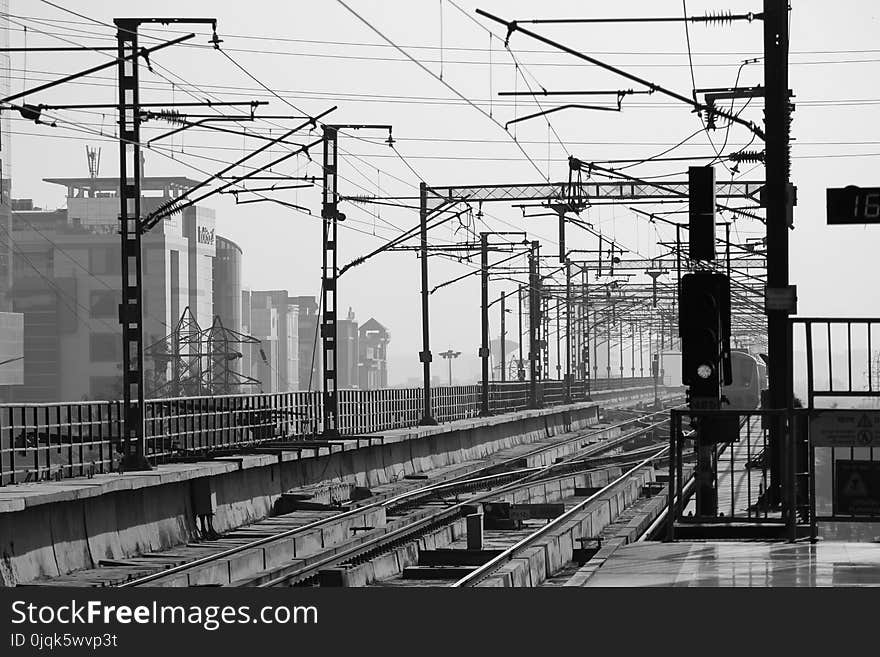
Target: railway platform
{"type": "Point", "coordinates": [737, 563]}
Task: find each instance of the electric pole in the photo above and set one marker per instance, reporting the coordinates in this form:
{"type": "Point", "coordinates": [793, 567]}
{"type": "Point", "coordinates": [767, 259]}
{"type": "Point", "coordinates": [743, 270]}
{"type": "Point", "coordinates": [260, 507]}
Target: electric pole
{"type": "Point", "coordinates": [484, 321]}
{"type": "Point", "coordinates": [331, 217]}
{"type": "Point", "coordinates": [503, 338]}
{"type": "Point", "coordinates": [425, 353]}
{"type": "Point", "coordinates": [521, 370]}
{"type": "Point", "coordinates": [131, 313]}
{"type": "Point", "coordinates": [329, 272]}
{"type": "Point", "coordinates": [534, 324]}
{"type": "Point", "coordinates": [131, 228]}
{"type": "Point", "coordinates": [779, 200]}
{"type": "Point", "coordinates": [567, 331]}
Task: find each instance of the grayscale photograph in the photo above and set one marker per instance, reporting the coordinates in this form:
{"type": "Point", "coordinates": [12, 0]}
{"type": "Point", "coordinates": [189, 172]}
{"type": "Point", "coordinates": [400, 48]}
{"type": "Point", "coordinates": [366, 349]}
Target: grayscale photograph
{"type": "Point", "coordinates": [389, 294]}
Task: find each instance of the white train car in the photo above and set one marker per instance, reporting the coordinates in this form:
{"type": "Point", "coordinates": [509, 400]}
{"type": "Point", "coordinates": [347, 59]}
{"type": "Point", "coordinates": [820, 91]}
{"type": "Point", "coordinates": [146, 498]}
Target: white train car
{"type": "Point", "coordinates": [749, 379]}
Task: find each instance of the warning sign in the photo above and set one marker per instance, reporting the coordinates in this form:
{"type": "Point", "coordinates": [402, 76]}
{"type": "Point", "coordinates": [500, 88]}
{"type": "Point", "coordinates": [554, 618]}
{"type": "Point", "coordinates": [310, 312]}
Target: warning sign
{"type": "Point", "coordinates": [845, 428]}
{"type": "Point", "coordinates": [857, 489]}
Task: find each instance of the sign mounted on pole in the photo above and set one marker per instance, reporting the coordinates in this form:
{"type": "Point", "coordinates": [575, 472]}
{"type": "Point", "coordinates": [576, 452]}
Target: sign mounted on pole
{"type": "Point", "coordinates": [857, 488]}
{"type": "Point", "coordinates": [837, 428]}
{"type": "Point", "coordinates": [852, 205]}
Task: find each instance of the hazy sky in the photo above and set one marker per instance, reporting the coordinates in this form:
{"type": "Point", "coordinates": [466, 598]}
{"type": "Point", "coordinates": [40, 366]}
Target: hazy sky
{"type": "Point", "coordinates": [317, 54]}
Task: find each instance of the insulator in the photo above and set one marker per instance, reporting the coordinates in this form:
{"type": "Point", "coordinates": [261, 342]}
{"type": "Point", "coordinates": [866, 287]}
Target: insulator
{"type": "Point", "coordinates": [789, 120]}
{"type": "Point", "coordinates": [720, 17]}
{"type": "Point", "coordinates": [747, 157]}
{"type": "Point", "coordinates": [171, 116]}
{"type": "Point", "coordinates": [710, 118]}
{"type": "Point", "coordinates": [173, 210]}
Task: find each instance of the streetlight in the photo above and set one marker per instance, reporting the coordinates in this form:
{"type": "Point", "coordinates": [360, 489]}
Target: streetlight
{"type": "Point", "coordinates": [449, 355]}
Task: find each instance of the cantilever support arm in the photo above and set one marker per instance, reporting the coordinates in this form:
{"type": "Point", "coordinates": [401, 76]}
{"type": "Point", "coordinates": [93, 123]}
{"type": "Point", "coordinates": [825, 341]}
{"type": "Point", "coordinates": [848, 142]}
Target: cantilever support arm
{"type": "Point", "coordinates": [562, 107]}
{"type": "Point", "coordinates": [513, 26]}
{"type": "Point", "coordinates": [293, 206]}
{"type": "Point", "coordinates": [407, 234]}
{"type": "Point", "coordinates": [176, 204]}
{"type": "Point", "coordinates": [173, 208]}
{"type": "Point", "coordinates": [184, 124]}
{"type": "Point", "coordinates": [476, 272]}
{"type": "Point", "coordinates": [204, 123]}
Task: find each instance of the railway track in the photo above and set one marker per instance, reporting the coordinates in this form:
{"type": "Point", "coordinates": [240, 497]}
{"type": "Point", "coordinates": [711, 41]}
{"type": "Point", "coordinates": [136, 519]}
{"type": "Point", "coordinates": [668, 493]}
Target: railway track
{"type": "Point", "coordinates": [422, 520]}
{"type": "Point", "coordinates": [544, 534]}
{"type": "Point", "coordinates": [295, 548]}
{"type": "Point", "coordinates": [418, 511]}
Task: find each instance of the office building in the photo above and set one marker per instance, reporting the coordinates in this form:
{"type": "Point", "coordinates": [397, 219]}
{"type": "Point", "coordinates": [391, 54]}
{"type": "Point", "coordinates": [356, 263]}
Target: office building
{"type": "Point", "coordinates": [67, 277]}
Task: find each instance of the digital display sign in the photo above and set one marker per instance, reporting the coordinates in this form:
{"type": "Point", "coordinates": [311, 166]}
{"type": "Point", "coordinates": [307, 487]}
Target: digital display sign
{"type": "Point", "coordinates": [853, 205]}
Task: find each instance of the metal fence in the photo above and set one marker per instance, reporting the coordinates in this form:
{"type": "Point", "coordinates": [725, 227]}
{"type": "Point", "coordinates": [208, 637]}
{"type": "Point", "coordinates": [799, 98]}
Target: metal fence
{"type": "Point", "coordinates": [55, 441]}
{"type": "Point", "coordinates": [837, 359]}
{"type": "Point", "coordinates": [61, 440]}
{"type": "Point", "coordinates": [828, 457]}
{"type": "Point", "coordinates": [728, 452]}
{"type": "Point", "coordinates": [837, 373]}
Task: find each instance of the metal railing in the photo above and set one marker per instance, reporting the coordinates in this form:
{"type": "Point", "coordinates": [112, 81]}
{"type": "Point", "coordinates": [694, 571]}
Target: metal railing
{"type": "Point", "coordinates": [738, 481]}
{"type": "Point", "coordinates": [840, 356]}
{"type": "Point", "coordinates": [61, 440]}
{"type": "Point", "coordinates": [190, 426]}
{"type": "Point", "coordinates": [55, 441]}
{"type": "Point", "coordinates": [838, 360]}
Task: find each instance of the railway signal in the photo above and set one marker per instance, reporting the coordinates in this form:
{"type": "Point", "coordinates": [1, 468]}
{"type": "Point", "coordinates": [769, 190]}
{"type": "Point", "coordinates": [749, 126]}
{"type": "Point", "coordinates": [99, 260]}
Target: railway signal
{"type": "Point", "coordinates": [704, 327]}
{"type": "Point", "coordinates": [701, 211]}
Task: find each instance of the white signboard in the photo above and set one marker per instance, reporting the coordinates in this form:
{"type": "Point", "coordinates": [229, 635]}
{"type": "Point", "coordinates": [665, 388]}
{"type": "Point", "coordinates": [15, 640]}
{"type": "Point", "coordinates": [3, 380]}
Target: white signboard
{"type": "Point", "coordinates": [845, 428]}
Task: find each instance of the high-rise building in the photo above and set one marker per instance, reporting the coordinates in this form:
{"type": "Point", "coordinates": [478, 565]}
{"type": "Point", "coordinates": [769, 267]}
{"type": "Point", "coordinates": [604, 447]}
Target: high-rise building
{"type": "Point", "coordinates": [291, 350]}
{"type": "Point", "coordinates": [249, 353]}
{"type": "Point", "coordinates": [263, 360]}
{"type": "Point", "coordinates": [308, 342]}
{"type": "Point", "coordinates": [67, 280]}
{"type": "Point", "coordinates": [273, 321]}
{"type": "Point", "coordinates": [6, 250]}
{"type": "Point", "coordinates": [11, 324]}
{"type": "Point", "coordinates": [227, 284]}
{"type": "Point", "coordinates": [347, 354]}
{"type": "Point", "coordinates": [373, 339]}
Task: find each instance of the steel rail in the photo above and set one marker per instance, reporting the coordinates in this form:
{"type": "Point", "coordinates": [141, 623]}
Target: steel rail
{"type": "Point", "coordinates": [584, 456]}
{"type": "Point", "coordinates": [481, 573]}
{"type": "Point", "coordinates": [686, 491]}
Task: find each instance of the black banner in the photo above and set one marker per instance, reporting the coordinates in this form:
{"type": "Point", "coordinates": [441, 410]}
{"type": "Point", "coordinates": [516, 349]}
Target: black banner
{"type": "Point", "coordinates": [250, 622]}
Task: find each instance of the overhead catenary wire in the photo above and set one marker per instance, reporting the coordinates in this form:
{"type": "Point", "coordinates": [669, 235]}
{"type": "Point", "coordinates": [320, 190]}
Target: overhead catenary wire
{"type": "Point", "coordinates": [432, 74]}
{"type": "Point", "coordinates": [400, 97]}
{"type": "Point", "coordinates": [279, 38]}
{"type": "Point", "coordinates": [237, 65]}
{"type": "Point", "coordinates": [477, 62]}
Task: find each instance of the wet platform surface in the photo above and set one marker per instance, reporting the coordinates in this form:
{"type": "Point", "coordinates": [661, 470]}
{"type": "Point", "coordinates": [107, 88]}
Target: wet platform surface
{"type": "Point", "coordinates": [727, 564]}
